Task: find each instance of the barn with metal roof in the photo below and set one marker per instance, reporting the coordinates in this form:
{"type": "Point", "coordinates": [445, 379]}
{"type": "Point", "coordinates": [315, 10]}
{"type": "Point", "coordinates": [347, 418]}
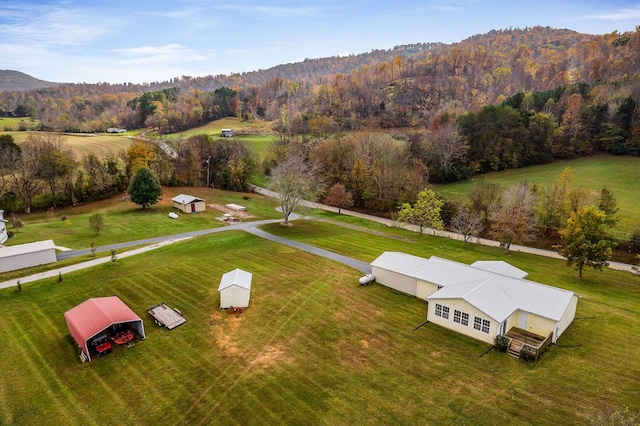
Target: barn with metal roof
{"type": "Point", "coordinates": [98, 319]}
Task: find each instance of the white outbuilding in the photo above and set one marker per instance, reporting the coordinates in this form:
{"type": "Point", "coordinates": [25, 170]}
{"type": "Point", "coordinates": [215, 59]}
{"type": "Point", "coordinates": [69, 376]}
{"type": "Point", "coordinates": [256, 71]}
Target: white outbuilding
{"type": "Point", "coordinates": [21, 256]}
{"type": "Point", "coordinates": [235, 289]}
{"type": "Point", "coordinates": [188, 203]}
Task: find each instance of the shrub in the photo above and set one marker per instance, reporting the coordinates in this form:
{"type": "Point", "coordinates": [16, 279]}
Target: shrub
{"type": "Point", "coordinates": [501, 343]}
{"type": "Point", "coordinates": [527, 354]}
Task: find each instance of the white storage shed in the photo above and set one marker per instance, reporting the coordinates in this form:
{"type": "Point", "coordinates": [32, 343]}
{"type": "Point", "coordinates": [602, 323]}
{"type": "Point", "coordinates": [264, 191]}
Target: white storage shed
{"type": "Point", "coordinates": [235, 289]}
{"type": "Point", "coordinates": [188, 203]}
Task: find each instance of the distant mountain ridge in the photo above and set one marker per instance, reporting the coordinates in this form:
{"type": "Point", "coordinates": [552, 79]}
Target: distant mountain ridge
{"type": "Point", "coordinates": [16, 81]}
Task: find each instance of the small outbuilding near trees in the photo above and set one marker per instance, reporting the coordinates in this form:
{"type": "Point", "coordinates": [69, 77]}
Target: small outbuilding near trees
{"type": "Point", "coordinates": [235, 289]}
{"type": "Point", "coordinates": [188, 203]}
{"type": "Point", "coordinates": [97, 316]}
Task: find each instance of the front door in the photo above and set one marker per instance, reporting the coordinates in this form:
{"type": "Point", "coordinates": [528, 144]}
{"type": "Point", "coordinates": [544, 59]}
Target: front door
{"type": "Point", "coordinates": [523, 319]}
{"type": "Point", "coordinates": [193, 207]}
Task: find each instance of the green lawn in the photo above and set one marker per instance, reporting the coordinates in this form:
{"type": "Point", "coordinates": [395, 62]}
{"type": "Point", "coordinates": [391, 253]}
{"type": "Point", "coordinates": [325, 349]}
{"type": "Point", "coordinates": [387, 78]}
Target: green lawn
{"type": "Point", "coordinates": [255, 133]}
{"type": "Point", "coordinates": [314, 347]}
{"type": "Point", "coordinates": [620, 174]}
{"type": "Point", "coordinates": [15, 124]}
{"type": "Point", "coordinates": [127, 221]}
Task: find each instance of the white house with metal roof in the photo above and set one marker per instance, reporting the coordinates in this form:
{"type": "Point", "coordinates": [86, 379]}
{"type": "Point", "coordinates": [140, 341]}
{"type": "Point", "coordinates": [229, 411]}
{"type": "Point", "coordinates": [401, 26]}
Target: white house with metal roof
{"type": "Point", "coordinates": [188, 203]}
{"type": "Point", "coordinates": [482, 300]}
{"type": "Point", "coordinates": [235, 289]}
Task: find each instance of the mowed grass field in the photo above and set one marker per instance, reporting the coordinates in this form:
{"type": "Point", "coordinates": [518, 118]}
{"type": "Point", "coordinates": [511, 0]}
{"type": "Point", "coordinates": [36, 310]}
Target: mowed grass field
{"type": "Point", "coordinates": [127, 221]}
{"type": "Point", "coordinates": [314, 347]}
{"type": "Point", "coordinates": [80, 144]}
{"type": "Point", "coordinates": [9, 124]}
{"type": "Point", "coordinates": [619, 174]}
{"type": "Point", "coordinates": [258, 134]}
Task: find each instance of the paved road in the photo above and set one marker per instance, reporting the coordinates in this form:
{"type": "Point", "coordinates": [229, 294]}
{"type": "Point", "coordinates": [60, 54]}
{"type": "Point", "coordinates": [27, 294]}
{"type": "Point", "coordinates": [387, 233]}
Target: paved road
{"type": "Point", "coordinates": [251, 227]}
{"type": "Point", "coordinates": [391, 223]}
{"type": "Point", "coordinates": [153, 243]}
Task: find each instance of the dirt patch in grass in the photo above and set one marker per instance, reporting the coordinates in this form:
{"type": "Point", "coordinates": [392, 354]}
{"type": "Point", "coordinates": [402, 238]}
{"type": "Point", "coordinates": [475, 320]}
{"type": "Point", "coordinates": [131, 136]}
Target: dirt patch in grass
{"type": "Point", "coordinates": [270, 356]}
{"type": "Point", "coordinates": [225, 209]}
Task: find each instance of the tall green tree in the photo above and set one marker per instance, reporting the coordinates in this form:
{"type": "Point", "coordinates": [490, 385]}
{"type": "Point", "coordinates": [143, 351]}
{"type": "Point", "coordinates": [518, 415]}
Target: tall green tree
{"type": "Point", "coordinates": [587, 239]}
{"type": "Point", "coordinates": [424, 213]}
{"type": "Point", "coordinates": [144, 188]}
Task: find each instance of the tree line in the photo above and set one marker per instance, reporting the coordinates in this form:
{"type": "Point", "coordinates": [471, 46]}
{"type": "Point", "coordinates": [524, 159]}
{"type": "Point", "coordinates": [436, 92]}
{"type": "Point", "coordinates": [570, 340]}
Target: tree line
{"type": "Point", "coordinates": [43, 172]}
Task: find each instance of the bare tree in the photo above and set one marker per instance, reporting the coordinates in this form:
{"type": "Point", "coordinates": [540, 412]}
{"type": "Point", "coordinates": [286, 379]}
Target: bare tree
{"type": "Point", "coordinates": [513, 218]}
{"type": "Point", "coordinates": [21, 169]}
{"type": "Point", "coordinates": [467, 223]}
{"type": "Point", "coordinates": [55, 159]}
{"type": "Point", "coordinates": [294, 180]}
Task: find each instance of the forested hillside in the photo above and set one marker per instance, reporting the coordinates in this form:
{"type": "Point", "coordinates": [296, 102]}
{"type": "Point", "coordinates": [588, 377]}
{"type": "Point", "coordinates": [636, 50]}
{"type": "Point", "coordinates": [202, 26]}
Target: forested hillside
{"type": "Point", "coordinates": [405, 86]}
{"type": "Point", "coordinates": [18, 81]}
{"type": "Point", "coordinates": [376, 128]}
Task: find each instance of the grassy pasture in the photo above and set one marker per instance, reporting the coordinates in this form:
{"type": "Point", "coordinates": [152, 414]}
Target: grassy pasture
{"type": "Point", "coordinates": [81, 144]}
{"type": "Point", "coordinates": [11, 124]}
{"type": "Point", "coordinates": [255, 133]}
{"type": "Point", "coordinates": [127, 221]}
{"type": "Point", "coordinates": [315, 347]}
{"type": "Point", "coordinates": [620, 174]}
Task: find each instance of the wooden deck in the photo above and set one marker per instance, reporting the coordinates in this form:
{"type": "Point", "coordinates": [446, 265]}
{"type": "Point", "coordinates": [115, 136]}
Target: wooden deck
{"type": "Point", "coordinates": [520, 338]}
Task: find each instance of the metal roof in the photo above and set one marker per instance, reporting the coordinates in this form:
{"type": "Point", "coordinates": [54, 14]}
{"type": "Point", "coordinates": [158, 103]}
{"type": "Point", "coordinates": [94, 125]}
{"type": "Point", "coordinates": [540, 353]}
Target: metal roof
{"type": "Point", "coordinates": [493, 293]}
{"type": "Point", "coordinates": [94, 315]}
{"type": "Point", "coordinates": [237, 277]}
{"type": "Point", "coordinates": [500, 267]}
{"type": "Point", "coordinates": [37, 246]}
{"type": "Point", "coordinates": [186, 199]}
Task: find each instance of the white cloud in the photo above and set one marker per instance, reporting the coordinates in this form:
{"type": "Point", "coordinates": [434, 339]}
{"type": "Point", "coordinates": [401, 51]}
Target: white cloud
{"type": "Point", "coordinates": [169, 53]}
{"type": "Point", "coordinates": [618, 15]}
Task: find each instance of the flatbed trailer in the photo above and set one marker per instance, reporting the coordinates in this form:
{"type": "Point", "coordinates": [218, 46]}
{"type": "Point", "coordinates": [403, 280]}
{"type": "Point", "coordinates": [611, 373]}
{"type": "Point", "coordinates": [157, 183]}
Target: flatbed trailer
{"type": "Point", "coordinates": [164, 316]}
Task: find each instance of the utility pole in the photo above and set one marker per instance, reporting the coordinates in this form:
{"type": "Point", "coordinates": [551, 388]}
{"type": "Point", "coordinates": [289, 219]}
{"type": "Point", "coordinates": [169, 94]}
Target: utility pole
{"type": "Point", "coordinates": [208, 163]}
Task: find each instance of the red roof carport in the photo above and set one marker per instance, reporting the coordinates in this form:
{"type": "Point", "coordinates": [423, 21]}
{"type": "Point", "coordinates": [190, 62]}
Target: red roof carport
{"type": "Point", "coordinates": [93, 316]}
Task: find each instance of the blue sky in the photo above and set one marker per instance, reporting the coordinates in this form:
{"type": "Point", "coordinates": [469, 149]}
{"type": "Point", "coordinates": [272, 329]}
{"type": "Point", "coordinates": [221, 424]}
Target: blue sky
{"type": "Point", "coordinates": [142, 41]}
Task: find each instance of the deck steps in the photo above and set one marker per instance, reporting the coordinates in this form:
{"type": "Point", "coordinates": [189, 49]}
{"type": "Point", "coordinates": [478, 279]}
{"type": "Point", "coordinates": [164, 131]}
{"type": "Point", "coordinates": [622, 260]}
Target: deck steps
{"type": "Point", "coordinates": [515, 348]}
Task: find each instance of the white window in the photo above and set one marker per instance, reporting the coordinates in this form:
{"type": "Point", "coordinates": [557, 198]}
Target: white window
{"type": "Point", "coordinates": [445, 312]}
{"type": "Point", "coordinates": [481, 324]}
{"type": "Point", "coordinates": [438, 310]}
{"type": "Point", "coordinates": [461, 317]}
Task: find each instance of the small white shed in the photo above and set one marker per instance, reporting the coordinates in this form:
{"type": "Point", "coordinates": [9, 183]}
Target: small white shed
{"type": "Point", "coordinates": [188, 203]}
{"type": "Point", "coordinates": [25, 255]}
{"type": "Point", "coordinates": [235, 289]}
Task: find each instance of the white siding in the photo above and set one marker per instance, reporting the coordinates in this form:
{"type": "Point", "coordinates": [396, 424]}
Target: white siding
{"type": "Point", "coordinates": [467, 330]}
{"type": "Point", "coordinates": [234, 296]}
{"type": "Point", "coordinates": [26, 255]}
{"type": "Point", "coordinates": [425, 289]}
{"type": "Point", "coordinates": [566, 319]}
{"type": "Point", "coordinates": [395, 280]}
